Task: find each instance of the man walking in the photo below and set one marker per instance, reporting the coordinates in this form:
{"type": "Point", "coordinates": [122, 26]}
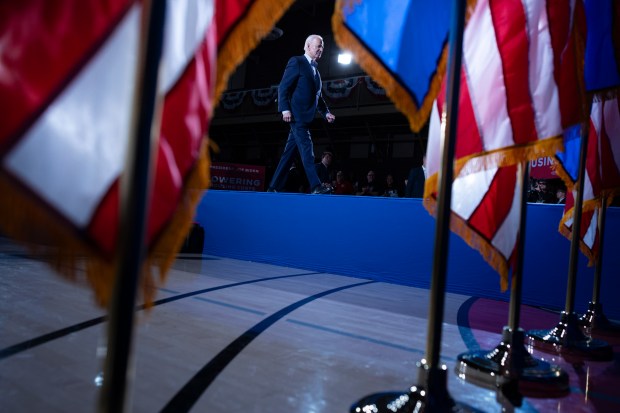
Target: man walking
{"type": "Point", "coordinates": [299, 97]}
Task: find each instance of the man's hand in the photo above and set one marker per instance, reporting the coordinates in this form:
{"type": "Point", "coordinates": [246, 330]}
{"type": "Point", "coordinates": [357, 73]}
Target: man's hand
{"type": "Point", "coordinates": [330, 118]}
{"type": "Point", "coordinates": [286, 116]}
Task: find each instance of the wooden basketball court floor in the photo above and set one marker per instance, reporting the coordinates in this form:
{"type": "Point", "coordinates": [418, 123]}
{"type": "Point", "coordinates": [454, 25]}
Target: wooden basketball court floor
{"type": "Point", "coordinates": [234, 336]}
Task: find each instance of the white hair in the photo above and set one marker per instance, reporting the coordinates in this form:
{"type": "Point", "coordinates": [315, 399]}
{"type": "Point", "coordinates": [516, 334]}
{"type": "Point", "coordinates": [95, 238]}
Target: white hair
{"type": "Point", "coordinates": [310, 38]}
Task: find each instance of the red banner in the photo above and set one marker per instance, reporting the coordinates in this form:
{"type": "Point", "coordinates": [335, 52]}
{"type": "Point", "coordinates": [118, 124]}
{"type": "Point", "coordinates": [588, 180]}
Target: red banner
{"type": "Point", "coordinates": [541, 168]}
{"type": "Point", "coordinates": [237, 177]}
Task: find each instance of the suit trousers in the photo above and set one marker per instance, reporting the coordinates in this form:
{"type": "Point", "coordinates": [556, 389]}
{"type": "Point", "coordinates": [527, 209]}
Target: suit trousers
{"type": "Point", "coordinates": [298, 138]}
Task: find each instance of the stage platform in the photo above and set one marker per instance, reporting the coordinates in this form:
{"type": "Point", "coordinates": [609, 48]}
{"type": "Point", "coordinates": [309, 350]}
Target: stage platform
{"type": "Point", "coordinates": [392, 240]}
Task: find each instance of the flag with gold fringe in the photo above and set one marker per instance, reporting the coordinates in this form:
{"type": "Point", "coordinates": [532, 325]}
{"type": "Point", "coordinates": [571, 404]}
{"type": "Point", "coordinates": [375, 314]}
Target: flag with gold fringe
{"type": "Point", "coordinates": [401, 44]}
{"type": "Point", "coordinates": [67, 77]}
{"type": "Point", "coordinates": [519, 91]}
{"type": "Point", "coordinates": [601, 176]}
{"type": "Point", "coordinates": [602, 168]}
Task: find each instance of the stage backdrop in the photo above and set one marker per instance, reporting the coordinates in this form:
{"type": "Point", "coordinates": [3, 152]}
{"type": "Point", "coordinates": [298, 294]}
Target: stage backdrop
{"type": "Point", "coordinates": [392, 240]}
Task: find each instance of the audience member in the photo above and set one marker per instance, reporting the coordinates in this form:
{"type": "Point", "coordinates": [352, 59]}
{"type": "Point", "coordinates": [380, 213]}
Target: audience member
{"type": "Point", "coordinates": [416, 180]}
{"type": "Point", "coordinates": [322, 169]}
{"type": "Point", "coordinates": [560, 194]}
{"type": "Point", "coordinates": [539, 193]}
{"type": "Point", "coordinates": [391, 189]}
{"type": "Point", "coordinates": [342, 186]}
{"type": "Point", "coordinates": [370, 186]}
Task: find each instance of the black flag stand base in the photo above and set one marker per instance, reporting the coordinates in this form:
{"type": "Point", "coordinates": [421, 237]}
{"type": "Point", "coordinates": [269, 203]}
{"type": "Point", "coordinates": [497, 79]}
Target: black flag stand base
{"type": "Point", "coordinates": [432, 396]}
{"type": "Point", "coordinates": [511, 369]}
{"type": "Point", "coordinates": [595, 322]}
{"type": "Point", "coordinates": [568, 340]}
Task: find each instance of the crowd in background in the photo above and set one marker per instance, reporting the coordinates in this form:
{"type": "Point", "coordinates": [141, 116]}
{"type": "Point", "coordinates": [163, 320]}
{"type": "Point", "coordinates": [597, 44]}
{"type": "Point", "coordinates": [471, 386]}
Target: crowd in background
{"type": "Point", "coordinates": [388, 184]}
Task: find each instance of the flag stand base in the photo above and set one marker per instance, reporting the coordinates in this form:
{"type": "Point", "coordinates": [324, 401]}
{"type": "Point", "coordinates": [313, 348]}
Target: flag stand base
{"type": "Point", "coordinates": [431, 396]}
{"type": "Point", "coordinates": [594, 321]}
{"type": "Point", "coordinates": [510, 368]}
{"type": "Point", "coordinates": [568, 340]}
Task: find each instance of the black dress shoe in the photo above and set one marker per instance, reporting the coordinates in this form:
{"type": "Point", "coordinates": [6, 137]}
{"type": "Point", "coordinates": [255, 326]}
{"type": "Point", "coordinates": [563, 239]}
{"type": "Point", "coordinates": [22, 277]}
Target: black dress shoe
{"type": "Point", "coordinates": [322, 190]}
{"type": "Point", "coordinates": [271, 190]}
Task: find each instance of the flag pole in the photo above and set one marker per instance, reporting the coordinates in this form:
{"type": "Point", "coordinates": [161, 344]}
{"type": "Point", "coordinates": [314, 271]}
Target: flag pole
{"type": "Point", "coordinates": [509, 367]}
{"type": "Point", "coordinates": [134, 196]}
{"type": "Point", "coordinates": [594, 320]}
{"type": "Point", "coordinates": [567, 336]}
{"type": "Point", "coordinates": [431, 393]}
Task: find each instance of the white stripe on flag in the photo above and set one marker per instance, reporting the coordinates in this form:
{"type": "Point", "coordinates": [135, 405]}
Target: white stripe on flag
{"type": "Point", "coordinates": [611, 112]}
{"type": "Point", "coordinates": [590, 236]}
{"type": "Point", "coordinates": [76, 149]}
{"type": "Point", "coordinates": [483, 66]}
{"type": "Point", "coordinates": [469, 190]}
{"type": "Point", "coordinates": [505, 238]}
{"type": "Point", "coordinates": [543, 88]}
{"type": "Point", "coordinates": [186, 26]}
{"type": "Point", "coordinates": [433, 157]}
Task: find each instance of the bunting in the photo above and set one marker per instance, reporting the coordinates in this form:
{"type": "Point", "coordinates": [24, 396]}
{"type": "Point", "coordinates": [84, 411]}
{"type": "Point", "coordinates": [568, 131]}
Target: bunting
{"type": "Point", "coordinates": [515, 102]}
{"type": "Point", "coordinates": [66, 129]}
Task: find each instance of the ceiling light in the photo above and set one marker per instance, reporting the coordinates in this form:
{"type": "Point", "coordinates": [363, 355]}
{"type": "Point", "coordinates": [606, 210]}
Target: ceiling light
{"type": "Point", "coordinates": [344, 58]}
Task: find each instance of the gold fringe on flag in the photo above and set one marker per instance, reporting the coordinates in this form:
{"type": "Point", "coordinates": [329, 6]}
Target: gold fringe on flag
{"type": "Point", "coordinates": [49, 239]}
{"type": "Point", "coordinates": [508, 156]}
{"type": "Point", "coordinates": [258, 21]}
{"type": "Point", "coordinates": [169, 243]}
{"type": "Point", "coordinates": [459, 226]}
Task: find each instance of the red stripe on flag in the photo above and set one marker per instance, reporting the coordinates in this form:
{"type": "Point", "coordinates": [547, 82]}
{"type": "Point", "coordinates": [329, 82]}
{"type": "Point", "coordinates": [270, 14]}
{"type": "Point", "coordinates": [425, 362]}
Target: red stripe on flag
{"type": "Point", "coordinates": [185, 119]}
{"type": "Point", "coordinates": [468, 136]}
{"type": "Point", "coordinates": [496, 204]}
{"type": "Point", "coordinates": [45, 32]}
{"type": "Point", "coordinates": [566, 72]}
{"type": "Point", "coordinates": [228, 14]}
{"type": "Point", "coordinates": [510, 24]}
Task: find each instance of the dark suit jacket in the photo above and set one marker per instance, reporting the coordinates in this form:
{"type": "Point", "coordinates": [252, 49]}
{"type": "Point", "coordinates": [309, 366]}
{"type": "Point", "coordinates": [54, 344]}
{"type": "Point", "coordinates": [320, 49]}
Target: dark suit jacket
{"type": "Point", "coordinates": [299, 91]}
{"type": "Point", "coordinates": [415, 183]}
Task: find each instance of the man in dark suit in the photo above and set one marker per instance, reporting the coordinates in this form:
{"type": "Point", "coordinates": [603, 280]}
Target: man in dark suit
{"type": "Point", "coordinates": [416, 181]}
{"type": "Point", "coordinates": [299, 97]}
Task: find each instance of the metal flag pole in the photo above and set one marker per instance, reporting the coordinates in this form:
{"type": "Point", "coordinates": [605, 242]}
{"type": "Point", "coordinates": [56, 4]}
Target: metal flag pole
{"type": "Point", "coordinates": [135, 193]}
{"type": "Point", "coordinates": [509, 367]}
{"type": "Point", "coordinates": [567, 337]}
{"type": "Point", "coordinates": [431, 393]}
{"type": "Point", "coordinates": [594, 320]}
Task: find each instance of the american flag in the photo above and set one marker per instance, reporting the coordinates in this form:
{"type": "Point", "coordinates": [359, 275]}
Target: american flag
{"type": "Point", "coordinates": [514, 105]}
{"type": "Point", "coordinates": [67, 84]}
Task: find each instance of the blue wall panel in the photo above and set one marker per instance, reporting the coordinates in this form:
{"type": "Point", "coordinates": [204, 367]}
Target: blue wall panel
{"type": "Point", "coordinates": [392, 240]}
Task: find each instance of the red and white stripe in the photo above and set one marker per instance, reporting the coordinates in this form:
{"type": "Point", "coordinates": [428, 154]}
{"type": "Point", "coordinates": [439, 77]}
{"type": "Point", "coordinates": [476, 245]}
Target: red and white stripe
{"type": "Point", "coordinates": [69, 124]}
{"type": "Point", "coordinates": [602, 175]}
{"type": "Point", "coordinates": [605, 129]}
{"type": "Point", "coordinates": [510, 77]}
{"type": "Point", "coordinates": [486, 207]}
{"type": "Point", "coordinates": [512, 87]}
